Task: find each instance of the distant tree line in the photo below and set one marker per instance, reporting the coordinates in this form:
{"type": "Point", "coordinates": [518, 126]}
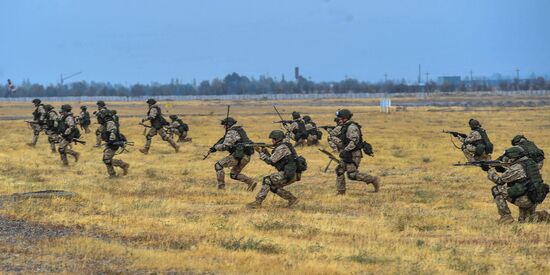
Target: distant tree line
{"type": "Point", "coordinates": [237, 84]}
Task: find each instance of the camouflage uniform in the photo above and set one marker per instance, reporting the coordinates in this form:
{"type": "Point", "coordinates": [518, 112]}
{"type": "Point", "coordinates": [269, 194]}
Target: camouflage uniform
{"type": "Point", "coordinates": [180, 129]}
{"type": "Point", "coordinates": [84, 120]}
{"type": "Point", "coordinates": [532, 151]}
{"type": "Point", "coordinates": [237, 160]}
{"type": "Point", "coordinates": [100, 115]}
{"type": "Point", "coordinates": [112, 136]}
{"type": "Point", "coordinates": [472, 141]}
{"type": "Point", "coordinates": [52, 124]}
{"type": "Point", "coordinates": [67, 129]}
{"type": "Point", "coordinates": [282, 157]}
{"type": "Point", "coordinates": [512, 177]}
{"type": "Point", "coordinates": [332, 138]}
{"type": "Point", "coordinates": [349, 141]}
{"type": "Point", "coordinates": [158, 122]}
{"type": "Point", "coordinates": [39, 116]}
{"type": "Point", "coordinates": [312, 131]}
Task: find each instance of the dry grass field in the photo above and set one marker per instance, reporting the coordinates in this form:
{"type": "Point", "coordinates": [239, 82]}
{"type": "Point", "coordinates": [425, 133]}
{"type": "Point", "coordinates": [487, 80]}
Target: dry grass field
{"type": "Point", "coordinates": [168, 216]}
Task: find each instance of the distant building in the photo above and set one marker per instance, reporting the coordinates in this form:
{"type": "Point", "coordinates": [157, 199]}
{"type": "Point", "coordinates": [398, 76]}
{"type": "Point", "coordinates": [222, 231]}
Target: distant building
{"type": "Point", "coordinates": [449, 80]}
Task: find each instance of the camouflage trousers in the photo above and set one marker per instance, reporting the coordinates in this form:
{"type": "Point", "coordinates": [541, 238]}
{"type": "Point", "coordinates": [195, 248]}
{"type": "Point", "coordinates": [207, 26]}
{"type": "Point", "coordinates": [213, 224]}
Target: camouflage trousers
{"type": "Point", "coordinates": [469, 152]}
{"type": "Point", "coordinates": [236, 168]}
{"type": "Point", "coordinates": [182, 137]}
{"type": "Point", "coordinates": [64, 149]}
{"type": "Point", "coordinates": [312, 140]}
{"type": "Point", "coordinates": [86, 128]}
{"type": "Point", "coordinates": [53, 138]}
{"type": "Point", "coordinates": [276, 183]}
{"type": "Point", "coordinates": [163, 134]}
{"type": "Point", "coordinates": [527, 209]}
{"type": "Point", "coordinates": [111, 162]}
{"type": "Point", "coordinates": [98, 132]}
{"type": "Point", "coordinates": [36, 129]}
{"type": "Point", "coordinates": [352, 171]}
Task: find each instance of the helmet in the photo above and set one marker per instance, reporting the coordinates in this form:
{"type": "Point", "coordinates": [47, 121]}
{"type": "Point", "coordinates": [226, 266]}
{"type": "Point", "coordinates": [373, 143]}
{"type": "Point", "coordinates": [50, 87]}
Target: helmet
{"type": "Point", "coordinates": [295, 115]}
{"type": "Point", "coordinates": [173, 117]}
{"type": "Point", "coordinates": [36, 101]}
{"type": "Point", "coordinates": [344, 113]}
{"type": "Point", "coordinates": [228, 121]}
{"type": "Point", "coordinates": [514, 152]}
{"type": "Point", "coordinates": [48, 107]}
{"type": "Point", "coordinates": [83, 107]}
{"type": "Point", "coordinates": [474, 123]}
{"type": "Point", "coordinates": [100, 103]}
{"type": "Point", "coordinates": [277, 134]}
{"type": "Point", "coordinates": [113, 112]}
{"type": "Point", "coordinates": [151, 101]}
{"type": "Point", "coordinates": [66, 108]}
{"type": "Point", "coordinates": [517, 139]}
{"type": "Point", "coordinates": [307, 118]}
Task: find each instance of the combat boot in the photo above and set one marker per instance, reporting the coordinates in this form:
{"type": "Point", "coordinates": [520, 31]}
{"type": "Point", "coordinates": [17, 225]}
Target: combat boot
{"type": "Point", "coordinates": [221, 186]}
{"type": "Point", "coordinates": [125, 168]}
{"type": "Point", "coordinates": [292, 202]}
{"type": "Point", "coordinates": [144, 151]}
{"type": "Point", "coordinates": [543, 216]}
{"type": "Point", "coordinates": [376, 183]}
{"type": "Point", "coordinates": [506, 219]}
{"type": "Point", "coordinates": [340, 192]}
{"type": "Point", "coordinates": [253, 205]}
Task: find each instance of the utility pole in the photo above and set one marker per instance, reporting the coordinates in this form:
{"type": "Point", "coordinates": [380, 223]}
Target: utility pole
{"type": "Point", "coordinates": [517, 79]}
{"type": "Point", "coordinates": [419, 74]}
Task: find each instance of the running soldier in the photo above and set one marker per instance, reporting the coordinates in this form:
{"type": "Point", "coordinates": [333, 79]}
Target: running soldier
{"type": "Point", "coordinates": [38, 120]}
{"type": "Point", "coordinates": [297, 130]}
{"type": "Point", "coordinates": [289, 170]}
{"type": "Point", "coordinates": [113, 139]}
{"type": "Point", "coordinates": [115, 118]}
{"type": "Point", "coordinates": [52, 125]}
{"type": "Point", "coordinates": [84, 119]}
{"type": "Point", "coordinates": [349, 141]}
{"type": "Point", "coordinates": [179, 128]}
{"type": "Point", "coordinates": [477, 145]}
{"type": "Point", "coordinates": [234, 142]}
{"type": "Point", "coordinates": [313, 134]}
{"type": "Point", "coordinates": [158, 122]}
{"type": "Point", "coordinates": [100, 115]}
{"type": "Point", "coordinates": [68, 132]}
{"type": "Point", "coordinates": [519, 183]}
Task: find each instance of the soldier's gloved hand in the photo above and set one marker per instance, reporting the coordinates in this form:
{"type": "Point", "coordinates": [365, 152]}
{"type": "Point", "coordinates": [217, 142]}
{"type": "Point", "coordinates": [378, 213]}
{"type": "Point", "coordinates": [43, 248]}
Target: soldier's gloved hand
{"type": "Point", "coordinates": [500, 169]}
{"type": "Point", "coordinates": [485, 168]}
{"type": "Point", "coordinates": [212, 150]}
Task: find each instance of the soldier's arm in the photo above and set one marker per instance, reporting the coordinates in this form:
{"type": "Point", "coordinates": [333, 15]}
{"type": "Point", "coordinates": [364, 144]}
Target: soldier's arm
{"type": "Point", "coordinates": [70, 125]}
{"type": "Point", "coordinates": [111, 128]}
{"type": "Point", "coordinates": [153, 113]}
{"type": "Point", "coordinates": [514, 173]}
{"type": "Point", "coordinates": [42, 112]}
{"type": "Point", "coordinates": [278, 154]}
{"type": "Point", "coordinates": [474, 136]}
{"type": "Point", "coordinates": [353, 134]}
{"type": "Point", "coordinates": [230, 139]}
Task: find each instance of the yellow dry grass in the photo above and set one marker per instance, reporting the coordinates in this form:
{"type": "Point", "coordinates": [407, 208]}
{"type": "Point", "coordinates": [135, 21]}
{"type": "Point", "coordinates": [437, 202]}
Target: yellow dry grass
{"type": "Point", "coordinates": [167, 214]}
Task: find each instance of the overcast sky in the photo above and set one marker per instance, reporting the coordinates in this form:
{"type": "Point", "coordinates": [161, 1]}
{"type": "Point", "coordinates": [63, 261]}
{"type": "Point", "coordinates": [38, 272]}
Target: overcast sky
{"type": "Point", "coordinates": [128, 41]}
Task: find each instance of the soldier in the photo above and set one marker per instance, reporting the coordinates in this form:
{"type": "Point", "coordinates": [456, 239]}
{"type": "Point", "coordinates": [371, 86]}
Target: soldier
{"type": "Point", "coordinates": [154, 115]}
{"type": "Point", "coordinates": [52, 124]}
{"type": "Point", "coordinates": [289, 170]}
{"type": "Point", "coordinates": [113, 141]}
{"type": "Point", "coordinates": [68, 132]}
{"type": "Point", "coordinates": [84, 119]}
{"type": "Point", "coordinates": [349, 141]}
{"type": "Point", "coordinates": [38, 120]}
{"type": "Point", "coordinates": [115, 118]}
{"type": "Point", "coordinates": [234, 142]}
{"type": "Point", "coordinates": [530, 148]}
{"type": "Point", "coordinates": [477, 145]}
{"type": "Point", "coordinates": [100, 115]}
{"type": "Point", "coordinates": [521, 184]}
{"type": "Point", "coordinates": [297, 130]}
{"type": "Point", "coordinates": [313, 134]}
{"type": "Point", "coordinates": [179, 128]}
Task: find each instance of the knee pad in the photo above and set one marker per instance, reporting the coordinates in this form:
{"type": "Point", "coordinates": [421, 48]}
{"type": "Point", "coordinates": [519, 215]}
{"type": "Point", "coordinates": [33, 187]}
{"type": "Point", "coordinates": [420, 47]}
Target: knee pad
{"type": "Point", "coordinates": [266, 181]}
{"type": "Point", "coordinates": [273, 189]}
{"type": "Point", "coordinates": [218, 166]}
{"type": "Point", "coordinates": [339, 170]}
{"type": "Point", "coordinates": [352, 175]}
{"type": "Point", "coordinates": [107, 161]}
{"type": "Point", "coordinates": [495, 192]}
{"type": "Point", "coordinates": [61, 150]}
{"type": "Point", "coordinates": [233, 175]}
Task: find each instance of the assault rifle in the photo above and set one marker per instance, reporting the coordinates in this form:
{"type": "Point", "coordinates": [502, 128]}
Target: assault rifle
{"type": "Point", "coordinates": [455, 134]}
{"type": "Point", "coordinates": [73, 140]}
{"type": "Point", "coordinates": [330, 156]}
{"type": "Point", "coordinates": [284, 121]}
{"type": "Point", "coordinates": [281, 117]}
{"type": "Point", "coordinates": [259, 145]}
{"type": "Point", "coordinates": [32, 122]}
{"type": "Point", "coordinates": [485, 163]}
{"type": "Point", "coordinates": [326, 128]}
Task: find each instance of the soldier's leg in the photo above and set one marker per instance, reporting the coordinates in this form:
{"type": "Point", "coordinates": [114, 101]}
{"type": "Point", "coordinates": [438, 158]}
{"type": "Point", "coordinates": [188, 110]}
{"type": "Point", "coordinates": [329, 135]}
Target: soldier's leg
{"type": "Point", "coordinates": [52, 140]}
{"type": "Point", "coordinates": [166, 137]}
{"type": "Point", "coordinates": [35, 133]}
{"type": "Point", "coordinates": [70, 151]}
{"type": "Point", "coordinates": [468, 153]}
{"type": "Point", "coordinates": [98, 132]}
{"type": "Point", "coordinates": [278, 182]}
{"type": "Point", "coordinates": [87, 129]}
{"type": "Point", "coordinates": [120, 163]}
{"type": "Point", "coordinates": [62, 151]}
{"type": "Point", "coordinates": [527, 209]}
{"type": "Point", "coordinates": [354, 174]}
{"type": "Point", "coordinates": [341, 178]}
{"type": "Point", "coordinates": [237, 175]}
{"type": "Point", "coordinates": [108, 155]}
{"type": "Point", "coordinates": [500, 194]}
{"type": "Point", "coordinates": [225, 162]}
{"type": "Point", "coordinates": [148, 138]}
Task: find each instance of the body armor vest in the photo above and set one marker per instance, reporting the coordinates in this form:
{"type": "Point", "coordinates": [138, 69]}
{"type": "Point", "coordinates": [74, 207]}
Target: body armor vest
{"type": "Point", "coordinates": [345, 140]}
{"type": "Point", "coordinates": [85, 119]}
{"type": "Point", "coordinates": [532, 150]}
{"type": "Point", "coordinates": [301, 131]}
{"type": "Point", "coordinates": [36, 113]}
{"type": "Point", "coordinates": [50, 123]}
{"type": "Point", "coordinates": [238, 147]}
{"type": "Point", "coordinates": [159, 121]}
{"type": "Point", "coordinates": [101, 116]}
{"type": "Point", "coordinates": [290, 159]}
